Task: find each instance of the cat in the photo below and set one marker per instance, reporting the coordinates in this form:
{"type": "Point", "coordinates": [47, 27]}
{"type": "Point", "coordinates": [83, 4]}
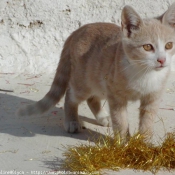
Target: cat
{"type": "Point", "coordinates": [119, 64]}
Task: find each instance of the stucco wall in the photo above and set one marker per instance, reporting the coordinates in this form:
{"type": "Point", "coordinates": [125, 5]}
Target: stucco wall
{"type": "Point", "coordinates": [32, 32]}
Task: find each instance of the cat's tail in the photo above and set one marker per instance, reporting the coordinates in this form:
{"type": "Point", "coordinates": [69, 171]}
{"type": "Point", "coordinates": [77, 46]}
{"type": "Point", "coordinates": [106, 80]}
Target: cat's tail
{"type": "Point", "coordinates": [57, 89]}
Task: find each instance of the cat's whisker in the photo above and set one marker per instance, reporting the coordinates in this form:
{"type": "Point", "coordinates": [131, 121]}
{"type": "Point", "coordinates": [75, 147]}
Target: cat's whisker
{"type": "Point", "coordinates": [140, 62]}
{"type": "Point", "coordinates": [131, 64]}
{"type": "Point", "coordinates": [127, 67]}
{"type": "Point", "coordinates": [146, 71]}
{"type": "Point", "coordinates": [131, 79]}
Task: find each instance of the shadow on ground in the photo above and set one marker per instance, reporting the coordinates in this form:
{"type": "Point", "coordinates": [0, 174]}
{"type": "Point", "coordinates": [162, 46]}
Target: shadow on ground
{"type": "Point", "coordinates": [50, 123]}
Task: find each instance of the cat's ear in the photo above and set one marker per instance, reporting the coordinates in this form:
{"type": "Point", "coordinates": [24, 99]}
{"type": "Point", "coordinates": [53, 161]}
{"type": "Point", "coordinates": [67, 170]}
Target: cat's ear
{"type": "Point", "coordinates": [168, 18]}
{"type": "Point", "coordinates": [131, 21]}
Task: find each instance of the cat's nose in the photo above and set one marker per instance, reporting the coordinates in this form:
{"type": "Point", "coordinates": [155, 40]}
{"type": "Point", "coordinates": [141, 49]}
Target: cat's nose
{"type": "Point", "coordinates": [161, 60]}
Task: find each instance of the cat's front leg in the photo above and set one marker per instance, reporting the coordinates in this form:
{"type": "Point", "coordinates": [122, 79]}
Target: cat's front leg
{"type": "Point", "coordinates": [148, 111]}
{"type": "Point", "coordinates": [118, 112]}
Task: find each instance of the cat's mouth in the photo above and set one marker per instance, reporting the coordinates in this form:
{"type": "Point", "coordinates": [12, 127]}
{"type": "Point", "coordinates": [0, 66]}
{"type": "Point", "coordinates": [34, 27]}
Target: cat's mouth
{"type": "Point", "coordinates": [160, 67]}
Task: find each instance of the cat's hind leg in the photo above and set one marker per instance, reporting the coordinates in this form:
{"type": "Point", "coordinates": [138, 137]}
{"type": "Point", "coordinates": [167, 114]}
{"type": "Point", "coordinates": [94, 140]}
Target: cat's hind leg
{"type": "Point", "coordinates": [99, 112]}
{"type": "Point", "coordinates": [71, 120]}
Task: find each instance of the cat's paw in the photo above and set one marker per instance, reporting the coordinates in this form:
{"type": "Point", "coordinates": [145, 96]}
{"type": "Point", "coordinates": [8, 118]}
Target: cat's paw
{"type": "Point", "coordinates": [72, 126]}
{"type": "Point", "coordinates": [104, 121]}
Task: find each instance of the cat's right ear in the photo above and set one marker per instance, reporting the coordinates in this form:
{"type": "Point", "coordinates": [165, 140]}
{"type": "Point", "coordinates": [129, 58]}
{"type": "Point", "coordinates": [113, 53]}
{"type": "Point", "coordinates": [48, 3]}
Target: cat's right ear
{"type": "Point", "coordinates": [131, 21]}
{"type": "Point", "coordinates": [168, 18]}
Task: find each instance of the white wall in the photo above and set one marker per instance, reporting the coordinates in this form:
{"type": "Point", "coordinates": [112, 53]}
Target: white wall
{"type": "Point", "coordinates": [32, 32]}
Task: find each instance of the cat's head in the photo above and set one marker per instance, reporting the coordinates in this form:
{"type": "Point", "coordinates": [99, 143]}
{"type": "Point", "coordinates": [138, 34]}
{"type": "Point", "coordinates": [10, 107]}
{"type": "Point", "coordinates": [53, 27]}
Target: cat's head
{"type": "Point", "coordinates": [149, 43]}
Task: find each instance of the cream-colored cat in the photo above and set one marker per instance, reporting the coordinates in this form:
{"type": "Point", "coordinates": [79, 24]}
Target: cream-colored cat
{"type": "Point", "coordinates": [105, 61]}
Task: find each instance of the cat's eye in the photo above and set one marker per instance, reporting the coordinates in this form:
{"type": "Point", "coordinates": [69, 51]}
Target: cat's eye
{"type": "Point", "coordinates": [148, 47]}
{"type": "Point", "coordinates": [169, 45]}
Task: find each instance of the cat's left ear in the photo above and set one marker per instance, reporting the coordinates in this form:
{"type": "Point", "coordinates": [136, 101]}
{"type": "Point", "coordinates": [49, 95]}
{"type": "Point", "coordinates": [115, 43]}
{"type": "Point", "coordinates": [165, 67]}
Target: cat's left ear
{"type": "Point", "coordinates": [131, 21]}
{"type": "Point", "coordinates": [168, 18]}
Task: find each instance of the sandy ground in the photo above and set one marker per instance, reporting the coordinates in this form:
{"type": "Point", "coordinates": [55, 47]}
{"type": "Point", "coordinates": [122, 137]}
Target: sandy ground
{"type": "Point", "coordinates": [34, 145]}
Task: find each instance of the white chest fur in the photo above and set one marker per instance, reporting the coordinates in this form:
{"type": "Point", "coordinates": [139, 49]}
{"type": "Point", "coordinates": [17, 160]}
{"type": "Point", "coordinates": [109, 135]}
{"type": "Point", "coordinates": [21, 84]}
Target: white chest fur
{"type": "Point", "coordinates": [147, 82]}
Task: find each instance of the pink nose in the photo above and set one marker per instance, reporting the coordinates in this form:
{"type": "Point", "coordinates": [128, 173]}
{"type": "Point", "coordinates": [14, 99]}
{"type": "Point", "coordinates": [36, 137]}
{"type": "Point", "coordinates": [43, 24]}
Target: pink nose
{"type": "Point", "coordinates": [161, 60]}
